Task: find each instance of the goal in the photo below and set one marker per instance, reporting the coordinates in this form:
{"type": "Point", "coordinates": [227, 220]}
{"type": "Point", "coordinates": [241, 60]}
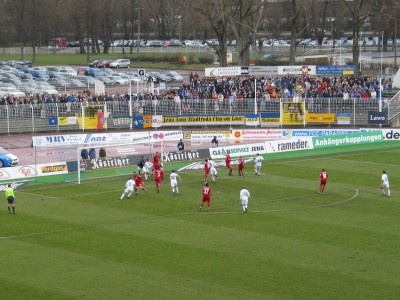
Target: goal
{"type": "Point", "coordinates": [111, 160]}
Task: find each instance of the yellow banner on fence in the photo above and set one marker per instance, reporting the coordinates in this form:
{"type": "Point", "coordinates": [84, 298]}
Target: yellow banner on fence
{"type": "Point", "coordinates": [208, 119]}
{"type": "Point", "coordinates": [292, 113]}
{"type": "Point", "coordinates": [320, 118]}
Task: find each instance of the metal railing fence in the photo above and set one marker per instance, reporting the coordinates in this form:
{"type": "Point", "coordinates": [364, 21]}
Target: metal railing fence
{"type": "Point", "coordinates": [29, 118]}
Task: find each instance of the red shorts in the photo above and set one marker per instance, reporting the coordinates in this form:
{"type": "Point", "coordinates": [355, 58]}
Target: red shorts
{"type": "Point", "coordinates": [206, 200]}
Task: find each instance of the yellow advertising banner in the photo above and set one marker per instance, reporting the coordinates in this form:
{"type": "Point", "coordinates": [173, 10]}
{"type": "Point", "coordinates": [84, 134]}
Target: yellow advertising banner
{"type": "Point", "coordinates": [208, 119]}
{"type": "Point", "coordinates": [320, 118]}
{"type": "Point", "coordinates": [292, 113]}
{"type": "Point", "coordinates": [95, 117]}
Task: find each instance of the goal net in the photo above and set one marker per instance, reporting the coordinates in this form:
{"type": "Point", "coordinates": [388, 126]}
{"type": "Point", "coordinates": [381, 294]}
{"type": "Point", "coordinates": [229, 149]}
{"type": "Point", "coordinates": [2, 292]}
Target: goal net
{"type": "Point", "coordinates": [110, 160]}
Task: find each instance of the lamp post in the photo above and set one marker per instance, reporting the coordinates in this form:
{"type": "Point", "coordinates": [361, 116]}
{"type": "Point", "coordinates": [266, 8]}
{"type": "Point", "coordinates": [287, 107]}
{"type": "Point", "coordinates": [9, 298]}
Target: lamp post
{"type": "Point", "coordinates": [130, 102]}
{"type": "Point", "coordinates": [380, 77]}
{"type": "Point", "coordinates": [179, 17]}
{"type": "Point", "coordinates": [138, 43]}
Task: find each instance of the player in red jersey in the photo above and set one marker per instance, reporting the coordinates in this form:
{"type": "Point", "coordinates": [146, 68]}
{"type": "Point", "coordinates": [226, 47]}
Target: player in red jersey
{"type": "Point", "coordinates": [158, 177]}
{"type": "Point", "coordinates": [206, 170]}
{"type": "Point", "coordinates": [206, 192]}
{"type": "Point", "coordinates": [228, 163]}
{"type": "Point", "coordinates": [323, 176]}
{"type": "Point", "coordinates": [241, 166]}
{"type": "Point", "coordinates": [156, 160]}
{"type": "Point", "coordinates": [138, 182]}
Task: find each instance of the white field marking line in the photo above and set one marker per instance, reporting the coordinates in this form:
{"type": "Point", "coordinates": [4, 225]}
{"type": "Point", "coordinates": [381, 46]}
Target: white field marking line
{"type": "Point", "coordinates": [364, 162]}
{"type": "Point", "coordinates": [181, 214]}
{"type": "Point", "coordinates": [38, 195]}
{"type": "Point", "coordinates": [278, 210]}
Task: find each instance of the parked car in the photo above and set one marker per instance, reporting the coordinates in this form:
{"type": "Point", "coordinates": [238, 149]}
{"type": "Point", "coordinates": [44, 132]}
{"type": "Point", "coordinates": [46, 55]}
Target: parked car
{"type": "Point", "coordinates": [75, 83]}
{"type": "Point", "coordinates": [7, 159]}
{"type": "Point", "coordinates": [159, 77]}
{"type": "Point", "coordinates": [174, 76]}
{"type": "Point", "coordinates": [105, 63]}
{"type": "Point", "coordinates": [119, 80]}
{"type": "Point", "coordinates": [121, 63]}
{"type": "Point", "coordinates": [12, 91]}
{"type": "Point", "coordinates": [94, 63]}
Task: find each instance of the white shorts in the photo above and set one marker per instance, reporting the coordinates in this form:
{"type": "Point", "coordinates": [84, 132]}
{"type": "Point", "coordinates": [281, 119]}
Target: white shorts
{"type": "Point", "coordinates": [146, 170]}
{"type": "Point", "coordinates": [213, 171]}
{"type": "Point", "coordinates": [385, 184]}
{"type": "Point", "coordinates": [174, 183]}
{"type": "Point", "coordinates": [244, 201]}
{"type": "Point", "coordinates": [127, 191]}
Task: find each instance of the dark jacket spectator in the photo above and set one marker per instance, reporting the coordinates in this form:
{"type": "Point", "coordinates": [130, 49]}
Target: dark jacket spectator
{"type": "Point", "coordinates": [92, 153]}
{"type": "Point", "coordinates": [102, 153]}
{"type": "Point", "coordinates": [84, 154]}
{"type": "Point", "coordinates": [181, 145]}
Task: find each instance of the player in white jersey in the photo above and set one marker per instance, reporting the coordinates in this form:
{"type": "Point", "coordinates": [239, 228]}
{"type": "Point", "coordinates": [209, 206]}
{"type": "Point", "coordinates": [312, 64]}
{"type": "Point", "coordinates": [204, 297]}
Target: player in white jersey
{"type": "Point", "coordinates": [174, 182]}
{"type": "Point", "coordinates": [244, 198]}
{"type": "Point", "coordinates": [129, 188]}
{"type": "Point", "coordinates": [258, 163]}
{"type": "Point", "coordinates": [147, 168]}
{"type": "Point", "coordinates": [385, 184]}
{"type": "Point", "coordinates": [213, 169]}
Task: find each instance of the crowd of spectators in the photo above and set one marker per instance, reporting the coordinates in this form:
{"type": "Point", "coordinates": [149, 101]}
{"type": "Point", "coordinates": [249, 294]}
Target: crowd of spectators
{"type": "Point", "coordinates": [228, 90]}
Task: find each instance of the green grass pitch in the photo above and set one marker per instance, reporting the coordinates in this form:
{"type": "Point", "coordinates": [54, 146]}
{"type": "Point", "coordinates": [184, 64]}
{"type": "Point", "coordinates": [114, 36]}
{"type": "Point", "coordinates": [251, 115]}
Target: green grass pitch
{"type": "Point", "coordinates": [71, 241]}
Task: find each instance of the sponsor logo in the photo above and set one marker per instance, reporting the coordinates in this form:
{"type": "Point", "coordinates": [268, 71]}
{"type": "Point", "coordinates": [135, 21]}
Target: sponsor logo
{"type": "Point", "coordinates": [26, 171]}
{"type": "Point", "coordinates": [290, 146]}
{"type": "Point", "coordinates": [392, 135]}
{"type": "Point", "coordinates": [55, 139]}
{"type": "Point", "coordinates": [101, 163]}
{"type": "Point", "coordinates": [239, 150]}
{"type": "Point", "coordinates": [4, 175]}
{"type": "Point", "coordinates": [182, 155]}
{"type": "Point", "coordinates": [53, 169]}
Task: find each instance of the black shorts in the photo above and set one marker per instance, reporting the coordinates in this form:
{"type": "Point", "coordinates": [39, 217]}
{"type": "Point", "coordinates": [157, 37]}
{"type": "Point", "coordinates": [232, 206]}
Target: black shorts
{"type": "Point", "coordinates": [10, 199]}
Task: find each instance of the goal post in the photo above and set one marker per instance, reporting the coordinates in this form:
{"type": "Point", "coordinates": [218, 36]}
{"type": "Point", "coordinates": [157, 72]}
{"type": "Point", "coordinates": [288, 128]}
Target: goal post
{"type": "Point", "coordinates": [111, 160]}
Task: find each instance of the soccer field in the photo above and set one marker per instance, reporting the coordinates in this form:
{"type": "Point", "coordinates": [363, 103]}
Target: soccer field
{"type": "Point", "coordinates": [70, 241]}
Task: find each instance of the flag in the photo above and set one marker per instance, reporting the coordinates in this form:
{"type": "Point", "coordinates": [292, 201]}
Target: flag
{"type": "Point", "coordinates": [53, 121]}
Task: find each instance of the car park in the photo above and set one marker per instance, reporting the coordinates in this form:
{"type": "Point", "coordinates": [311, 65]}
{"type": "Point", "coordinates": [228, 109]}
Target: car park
{"type": "Point", "coordinates": [154, 43]}
{"type": "Point", "coordinates": [159, 77]}
{"type": "Point", "coordinates": [105, 63]}
{"type": "Point", "coordinates": [29, 90]}
{"type": "Point", "coordinates": [121, 63]}
{"type": "Point", "coordinates": [94, 63]}
{"type": "Point", "coordinates": [75, 83]}
{"type": "Point", "coordinates": [7, 159]}
{"type": "Point", "coordinates": [106, 80]}
{"type": "Point", "coordinates": [12, 91]}
{"type": "Point", "coordinates": [119, 80]}
{"type": "Point", "coordinates": [174, 76]}
{"type": "Point", "coordinates": [66, 71]}
{"type": "Point", "coordinates": [59, 82]}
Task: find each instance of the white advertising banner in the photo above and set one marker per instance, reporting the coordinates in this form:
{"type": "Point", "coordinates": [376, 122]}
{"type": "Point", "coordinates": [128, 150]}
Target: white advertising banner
{"type": "Point", "coordinates": [223, 71]}
{"type": "Point", "coordinates": [98, 139]}
{"type": "Point", "coordinates": [259, 134]}
{"type": "Point", "coordinates": [297, 70]}
{"type": "Point", "coordinates": [238, 150]}
{"type": "Point", "coordinates": [29, 171]}
{"type": "Point", "coordinates": [291, 144]}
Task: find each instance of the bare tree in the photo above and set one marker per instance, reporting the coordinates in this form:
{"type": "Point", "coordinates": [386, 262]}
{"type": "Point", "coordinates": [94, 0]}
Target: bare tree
{"type": "Point", "coordinates": [245, 25]}
{"type": "Point", "coordinates": [359, 14]}
{"type": "Point", "coordinates": [216, 13]}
